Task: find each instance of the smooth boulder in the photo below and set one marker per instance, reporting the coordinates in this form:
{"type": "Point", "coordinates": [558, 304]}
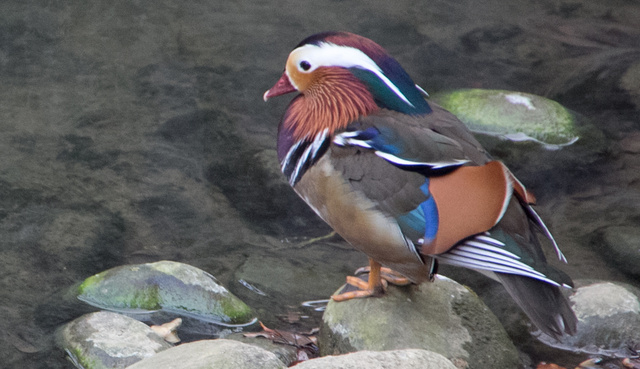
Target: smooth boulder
{"type": "Point", "coordinates": [443, 317]}
{"type": "Point", "coordinates": [212, 354]}
{"type": "Point", "coordinates": [104, 340]}
{"type": "Point", "coordinates": [608, 319]}
{"type": "Point", "coordinates": [397, 359]}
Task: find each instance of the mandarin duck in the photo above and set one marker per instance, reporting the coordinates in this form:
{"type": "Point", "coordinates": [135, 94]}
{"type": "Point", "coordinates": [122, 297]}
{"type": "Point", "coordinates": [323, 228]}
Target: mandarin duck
{"type": "Point", "coordinates": [404, 181]}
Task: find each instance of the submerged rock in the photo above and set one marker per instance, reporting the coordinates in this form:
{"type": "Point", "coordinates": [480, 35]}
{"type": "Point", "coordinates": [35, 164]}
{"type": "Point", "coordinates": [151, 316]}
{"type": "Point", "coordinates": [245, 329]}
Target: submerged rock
{"type": "Point", "coordinates": [398, 359]}
{"type": "Point", "coordinates": [443, 317]}
{"type": "Point", "coordinates": [515, 116]}
{"type": "Point", "coordinates": [608, 319]}
{"type": "Point", "coordinates": [630, 82]}
{"type": "Point", "coordinates": [622, 244]}
{"type": "Point", "coordinates": [165, 285]}
{"type": "Point", "coordinates": [108, 340]}
{"type": "Point", "coordinates": [212, 354]}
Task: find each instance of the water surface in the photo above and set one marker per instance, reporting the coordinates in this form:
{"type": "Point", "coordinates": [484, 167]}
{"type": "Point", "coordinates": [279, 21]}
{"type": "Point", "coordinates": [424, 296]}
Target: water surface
{"type": "Point", "coordinates": [136, 132]}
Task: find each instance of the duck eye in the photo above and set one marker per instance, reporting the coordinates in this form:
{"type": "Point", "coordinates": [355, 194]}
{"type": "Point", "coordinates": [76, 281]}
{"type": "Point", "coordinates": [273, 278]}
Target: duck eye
{"type": "Point", "coordinates": [305, 65]}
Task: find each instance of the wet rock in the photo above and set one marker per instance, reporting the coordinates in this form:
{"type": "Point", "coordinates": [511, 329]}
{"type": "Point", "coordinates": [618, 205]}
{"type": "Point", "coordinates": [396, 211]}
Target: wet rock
{"type": "Point", "coordinates": [515, 116]}
{"type": "Point", "coordinates": [285, 353]}
{"type": "Point", "coordinates": [275, 209]}
{"type": "Point", "coordinates": [443, 317]}
{"type": "Point", "coordinates": [165, 285]}
{"type": "Point", "coordinates": [623, 247]}
{"type": "Point", "coordinates": [631, 142]}
{"type": "Point", "coordinates": [399, 359]}
{"type": "Point", "coordinates": [630, 82]}
{"type": "Point", "coordinates": [212, 354]}
{"type": "Point", "coordinates": [108, 340]}
{"type": "Point", "coordinates": [275, 280]}
{"type": "Point", "coordinates": [608, 319]}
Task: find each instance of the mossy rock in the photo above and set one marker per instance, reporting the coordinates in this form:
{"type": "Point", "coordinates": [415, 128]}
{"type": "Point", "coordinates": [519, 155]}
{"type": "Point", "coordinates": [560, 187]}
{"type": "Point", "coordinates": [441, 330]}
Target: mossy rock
{"type": "Point", "coordinates": [168, 286]}
{"type": "Point", "coordinates": [443, 317]}
{"type": "Point", "coordinates": [515, 116]}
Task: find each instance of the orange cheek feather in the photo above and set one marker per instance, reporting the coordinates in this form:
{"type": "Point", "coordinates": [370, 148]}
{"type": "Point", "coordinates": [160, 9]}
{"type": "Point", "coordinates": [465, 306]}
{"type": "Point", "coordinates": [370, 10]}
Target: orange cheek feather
{"type": "Point", "coordinates": [300, 80]}
{"type": "Point", "coordinates": [331, 99]}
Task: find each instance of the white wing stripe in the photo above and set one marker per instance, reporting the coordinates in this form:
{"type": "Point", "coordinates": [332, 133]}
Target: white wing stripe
{"type": "Point", "coordinates": [489, 254]}
{"type": "Point", "coordinates": [489, 240]}
{"type": "Point", "coordinates": [340, 140]}
{"type": "Point", "coordinates": [437, 165]}
{"type": "Point", "coordinates": [473, 264]}
{"type": "Point", "coordinates": [494, 259]}
{"type": "Point", "coordinates": [547, 233]}
{"type": "Point", "coordinates": [346, 138]}
{"type": "Point", "coordinates": [486, 253]}
{"type": "Point", "coordinates": [494, 249]}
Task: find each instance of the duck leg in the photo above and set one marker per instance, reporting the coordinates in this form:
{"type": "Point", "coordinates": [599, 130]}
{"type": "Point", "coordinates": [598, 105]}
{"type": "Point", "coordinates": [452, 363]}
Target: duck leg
{"type": "Point", "coordinates": [388, 275]}
{"type": "Point", "coordinates": [376, 285]}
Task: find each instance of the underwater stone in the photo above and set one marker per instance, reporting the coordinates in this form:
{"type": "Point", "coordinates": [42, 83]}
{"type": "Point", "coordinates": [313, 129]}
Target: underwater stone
{"type": "Point", "coordinates": [108, 340]}
{"type": "Point", "coordinates": [630, 82]}
{"type": "Point", "coordinates": [165, 285]}
{"type": "Point", "coordinates": [622, 245]}
{"type": "Point", "coordinates": [515, 116]}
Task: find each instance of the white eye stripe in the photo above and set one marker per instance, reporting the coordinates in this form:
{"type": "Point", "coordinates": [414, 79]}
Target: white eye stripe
{"type": "Point", "coordinates": [331, 55]}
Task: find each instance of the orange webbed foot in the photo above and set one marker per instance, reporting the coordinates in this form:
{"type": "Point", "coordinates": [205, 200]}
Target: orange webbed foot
{"type": "Point", "coordinates": [376, 285]}
{"type": "Point", "coordinates": [388, 275]}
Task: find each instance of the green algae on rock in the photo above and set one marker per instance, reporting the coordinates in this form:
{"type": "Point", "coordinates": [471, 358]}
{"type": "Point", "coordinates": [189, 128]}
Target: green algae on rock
{"type": "Point", "coordinates": [165, 285]}
{"type": "Point", "coordinates": [515, 116]}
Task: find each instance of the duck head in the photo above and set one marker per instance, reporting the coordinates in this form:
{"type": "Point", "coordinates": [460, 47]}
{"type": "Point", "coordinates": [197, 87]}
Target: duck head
{"type": "Point", "coordinates": [341, 76]}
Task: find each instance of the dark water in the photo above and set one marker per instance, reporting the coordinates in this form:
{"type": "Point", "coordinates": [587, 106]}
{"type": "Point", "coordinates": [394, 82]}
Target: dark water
{"type": "Point", "coordinates": [136, 132]}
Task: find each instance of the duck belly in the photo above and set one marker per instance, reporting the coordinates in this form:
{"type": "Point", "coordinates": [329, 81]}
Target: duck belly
{"type": "Point", "coordinates": [355, 217]}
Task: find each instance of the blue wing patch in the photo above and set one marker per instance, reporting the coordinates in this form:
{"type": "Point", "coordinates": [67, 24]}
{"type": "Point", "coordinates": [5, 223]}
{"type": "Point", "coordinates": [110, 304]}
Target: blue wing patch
{"type": "Point", "coordinates": [422, 220]}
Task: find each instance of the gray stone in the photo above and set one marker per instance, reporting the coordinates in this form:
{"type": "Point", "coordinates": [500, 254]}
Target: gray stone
{"type": "Point", "coordinates": [165, 285]}
{"type": "Point", "coordinates": [623, 247]}
{"type": "Point", "coordinates": [443, 317]}
{"type": "Point", "coordinates": [396, 359]}
{"type": "Point", "coordinates": [212, 354]}
{"type": "Point", "coordinates": [630, 81]}
{"type": "Point", "coordinates": [108, 340]}
{"type": "Point", "coordinates": [285, 353]}
{"type": "Point", "coordinates": [608, 319]}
